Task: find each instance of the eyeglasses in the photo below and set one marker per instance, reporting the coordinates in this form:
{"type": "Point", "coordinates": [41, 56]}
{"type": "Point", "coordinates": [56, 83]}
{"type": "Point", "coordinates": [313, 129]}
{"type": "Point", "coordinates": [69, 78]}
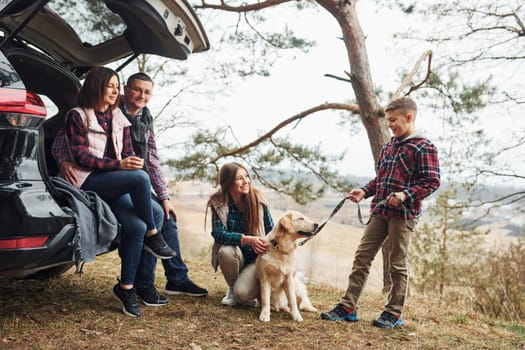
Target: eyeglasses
{"type": "Point", "coordinates": [140, 91]}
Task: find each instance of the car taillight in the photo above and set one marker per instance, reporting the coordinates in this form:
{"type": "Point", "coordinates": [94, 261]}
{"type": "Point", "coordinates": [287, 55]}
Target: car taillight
{"type": "Point", "coordinates": [29, 112]}
{"type": "Point", "coordinates": [20, 101]}
{"type": "Point", "coordinates": [20, 243]}
{"type": "Point", "coordinates": [34, 105]}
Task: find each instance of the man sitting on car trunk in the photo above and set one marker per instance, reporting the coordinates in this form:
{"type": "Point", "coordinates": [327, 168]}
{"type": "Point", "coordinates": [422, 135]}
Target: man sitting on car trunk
{"type": "Point", "coordinates": [137, 93]}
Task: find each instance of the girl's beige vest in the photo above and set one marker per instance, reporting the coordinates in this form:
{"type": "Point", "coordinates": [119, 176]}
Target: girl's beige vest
{"type": "Point", "coordinates": [96, 137]}
{"type": "Point", "coordinates": [222, 211]}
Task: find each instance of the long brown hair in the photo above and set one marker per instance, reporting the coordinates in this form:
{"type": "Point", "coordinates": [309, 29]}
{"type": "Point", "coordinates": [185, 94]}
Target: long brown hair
{"type": "Point", "coordinates": [91, 93]}
{"type": "Point", "coordinates": [249, 202]}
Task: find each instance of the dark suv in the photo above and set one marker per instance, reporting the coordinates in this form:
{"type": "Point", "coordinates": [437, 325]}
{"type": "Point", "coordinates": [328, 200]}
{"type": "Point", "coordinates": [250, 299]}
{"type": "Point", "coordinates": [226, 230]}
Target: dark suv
{"type": "Point", "coordinates": [42, 55]}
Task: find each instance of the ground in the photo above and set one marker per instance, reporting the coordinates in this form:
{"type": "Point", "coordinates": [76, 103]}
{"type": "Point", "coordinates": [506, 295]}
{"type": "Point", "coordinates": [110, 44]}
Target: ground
{"type": "Point", "coordinates": [78, 312]}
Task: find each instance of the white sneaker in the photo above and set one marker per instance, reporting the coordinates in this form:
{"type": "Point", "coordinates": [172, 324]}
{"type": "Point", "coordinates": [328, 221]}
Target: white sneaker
{"type": "Point", "coordinates": [229, 298]}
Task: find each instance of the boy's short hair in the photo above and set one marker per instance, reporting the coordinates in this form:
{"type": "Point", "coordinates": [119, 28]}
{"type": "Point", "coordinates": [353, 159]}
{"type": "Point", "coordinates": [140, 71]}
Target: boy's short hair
{"type": "Point", "coordinates": [404, 103]}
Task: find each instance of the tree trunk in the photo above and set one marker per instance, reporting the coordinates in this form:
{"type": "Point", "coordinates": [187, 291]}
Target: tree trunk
{"type": "Point", "coordinates": [370, 111]}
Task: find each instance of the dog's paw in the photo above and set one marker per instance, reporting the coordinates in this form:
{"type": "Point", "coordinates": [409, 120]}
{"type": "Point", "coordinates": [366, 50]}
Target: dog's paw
{"type": "Point", "coordinates": [279, 308]}
{"type": "Point", "coordinates": [264, 317]}
{"type": "Point", "coordinates": [308, 308]}
{"type": "Point", "coordinates": [297, 318]}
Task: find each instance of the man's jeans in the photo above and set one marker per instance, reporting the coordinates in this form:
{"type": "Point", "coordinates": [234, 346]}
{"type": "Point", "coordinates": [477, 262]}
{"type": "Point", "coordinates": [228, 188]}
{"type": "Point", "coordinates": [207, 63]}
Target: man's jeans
{"type": "Point", "coordinates": [132, 233]}
{"type": "Point", "coordinates": [175, 269]}
{"type": "Point", "coordinates": [111, 185]}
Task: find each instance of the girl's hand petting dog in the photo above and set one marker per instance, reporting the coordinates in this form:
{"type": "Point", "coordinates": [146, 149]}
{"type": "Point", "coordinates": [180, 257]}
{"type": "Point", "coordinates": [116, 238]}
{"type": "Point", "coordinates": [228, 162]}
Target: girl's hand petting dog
{"type": "Point", "coordinates": [258, 244]}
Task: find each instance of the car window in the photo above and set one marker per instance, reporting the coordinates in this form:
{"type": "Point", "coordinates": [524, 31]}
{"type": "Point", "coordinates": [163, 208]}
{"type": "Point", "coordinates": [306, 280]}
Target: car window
{"type": "Point", "coordinates": [4, 3]}
{"type": "Point", "coordinates": [8, 76]}
{"type": "Point", "coordinates": [93, 22]}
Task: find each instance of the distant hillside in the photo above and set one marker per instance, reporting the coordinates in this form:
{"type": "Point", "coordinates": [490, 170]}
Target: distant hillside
{"type": "Point", "coordinates": [482, 193]}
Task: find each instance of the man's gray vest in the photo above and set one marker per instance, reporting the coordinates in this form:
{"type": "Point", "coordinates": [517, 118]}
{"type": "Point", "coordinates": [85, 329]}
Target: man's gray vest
{"type": "Point", "coordinates": [139, 131]}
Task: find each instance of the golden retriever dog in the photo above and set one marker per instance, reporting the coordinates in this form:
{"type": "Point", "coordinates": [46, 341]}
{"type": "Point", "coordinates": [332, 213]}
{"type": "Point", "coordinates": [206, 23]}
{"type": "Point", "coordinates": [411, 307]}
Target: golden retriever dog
{"type": "Point", "coordinates": [280, 288]}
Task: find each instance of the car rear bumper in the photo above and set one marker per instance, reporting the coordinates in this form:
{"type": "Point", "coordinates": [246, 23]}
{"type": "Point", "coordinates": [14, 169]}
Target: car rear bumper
{"type": "Point", "coordinates": [35, 233]}
{"type": "Point", "coordinates": [23, 262]}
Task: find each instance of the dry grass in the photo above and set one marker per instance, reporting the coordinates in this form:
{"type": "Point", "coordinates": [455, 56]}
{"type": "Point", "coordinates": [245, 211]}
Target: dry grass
{"type": "Point", "coordinates": [74, 312]}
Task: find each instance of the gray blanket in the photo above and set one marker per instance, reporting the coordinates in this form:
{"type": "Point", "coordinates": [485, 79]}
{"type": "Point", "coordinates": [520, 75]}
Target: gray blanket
{"type": "Point", "coordinates": [96, 225]}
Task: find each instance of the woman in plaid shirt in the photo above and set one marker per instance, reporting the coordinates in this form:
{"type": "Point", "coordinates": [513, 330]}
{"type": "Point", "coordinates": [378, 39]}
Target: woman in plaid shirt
{"type": "Point", "coordinates": [407, 172]}
{"type": "Point", "coordinates": [99, 139]}
{"type": "Point", "coordinates": [240, 218]}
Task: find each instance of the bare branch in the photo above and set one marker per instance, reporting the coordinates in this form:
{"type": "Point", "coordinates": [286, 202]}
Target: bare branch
{"type": "Point", "coordinates": [512, 98]}
{"type": "Point", "coordinates": [257, 32]}
{"type": "Point", "coordinates": [242, 8]}
{"type": "Point", "coordinates": [267, 183]}
{"type": "Point", "coordinates": [307, 165]}
{"type": "Point", "coordinates": [481, 58]}
{"type": "Point", "coordinates": [498, 202]}
{"type": "Point", "coordinates": [519, 21]}
{"type": "Point", "coordinates": [500, 174]}
{"type": "Point", "coordinates": [410, 76]}
{"type": "Point", "coordinates": [318, 108]}
{"type": "Point", "coordinates": [168, 102]}
{"type": "Point", "coordinates": [511, 147]}
{"type": "Point", "coordinates": [338, 78]}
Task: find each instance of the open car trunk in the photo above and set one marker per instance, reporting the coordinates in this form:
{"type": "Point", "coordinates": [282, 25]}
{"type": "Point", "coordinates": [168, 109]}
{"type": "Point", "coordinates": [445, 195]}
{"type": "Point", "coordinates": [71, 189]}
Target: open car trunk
{"type": "Point", "coordinates": [45, 51]}
{"type": "Point", "coordinates": [167, 28]}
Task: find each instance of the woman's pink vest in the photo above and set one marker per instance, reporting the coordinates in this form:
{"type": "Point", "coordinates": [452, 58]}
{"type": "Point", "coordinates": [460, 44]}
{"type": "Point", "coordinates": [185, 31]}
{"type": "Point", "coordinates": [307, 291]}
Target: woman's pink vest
{"type": "Point", "coordinates": [96, 137]}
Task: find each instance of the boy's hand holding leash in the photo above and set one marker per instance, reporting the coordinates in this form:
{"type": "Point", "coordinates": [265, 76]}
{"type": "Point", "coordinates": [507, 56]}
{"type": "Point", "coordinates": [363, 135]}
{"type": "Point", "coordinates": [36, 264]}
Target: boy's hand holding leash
{"type": "Point", "coordinates": [356, 195]}
{"type": "Point", "coordinates": [396, 198]}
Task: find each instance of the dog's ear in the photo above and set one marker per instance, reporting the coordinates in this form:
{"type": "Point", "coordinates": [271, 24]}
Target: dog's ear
{"type": "Point", "coordinates": [286, 223]}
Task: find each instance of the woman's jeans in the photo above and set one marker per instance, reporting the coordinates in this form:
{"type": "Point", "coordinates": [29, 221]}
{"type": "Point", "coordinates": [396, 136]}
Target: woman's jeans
{"type": "Point", "coordinates": [132, 235]}
{"type": "Point", "coordinates": [110, 185]}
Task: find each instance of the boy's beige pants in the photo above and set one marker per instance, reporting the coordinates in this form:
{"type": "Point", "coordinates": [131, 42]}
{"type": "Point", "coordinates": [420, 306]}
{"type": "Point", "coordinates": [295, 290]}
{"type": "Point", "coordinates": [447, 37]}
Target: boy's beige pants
{"type": "Point", "coordinates": [398, 231]}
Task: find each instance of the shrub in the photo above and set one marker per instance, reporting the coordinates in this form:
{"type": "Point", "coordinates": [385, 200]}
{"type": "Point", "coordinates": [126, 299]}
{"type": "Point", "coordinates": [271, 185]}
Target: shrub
{"type": "Point", "coordinates": [499, 282]}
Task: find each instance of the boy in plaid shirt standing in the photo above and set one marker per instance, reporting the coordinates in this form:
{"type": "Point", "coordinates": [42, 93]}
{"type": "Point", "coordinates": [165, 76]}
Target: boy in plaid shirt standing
{"type": "Point", "coordinates": [407, 172]}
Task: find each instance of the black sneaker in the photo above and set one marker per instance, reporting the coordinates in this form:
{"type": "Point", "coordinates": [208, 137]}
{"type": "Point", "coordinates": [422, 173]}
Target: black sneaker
{"type": "Point", "coordinates": [187, 288]}
{"type": "Point", "coordinates": [338, 313]}
{"type": "Point", "coordinates": [388, 321]}
{"type": "Point", "coordinates": [156, 245]}
{"type": "Point", "coordinates": [128, 299]}
{"type": "Point", "coordinates": [151, 297]}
